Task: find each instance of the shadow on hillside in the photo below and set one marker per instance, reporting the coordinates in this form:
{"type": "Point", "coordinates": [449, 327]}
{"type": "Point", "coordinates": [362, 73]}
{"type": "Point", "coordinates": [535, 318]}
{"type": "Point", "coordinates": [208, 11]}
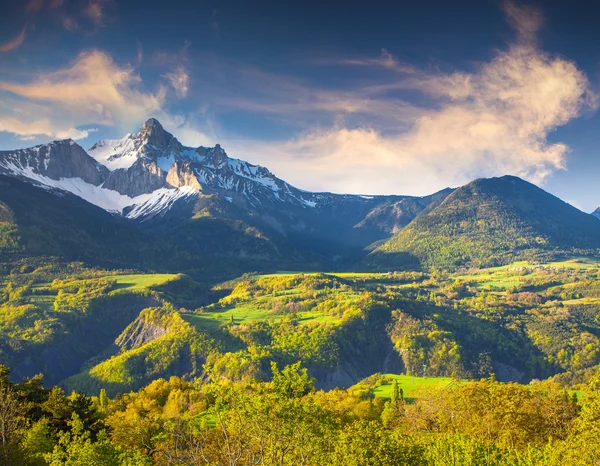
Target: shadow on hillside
{"type": "Point", "coordinates": [392, 261]}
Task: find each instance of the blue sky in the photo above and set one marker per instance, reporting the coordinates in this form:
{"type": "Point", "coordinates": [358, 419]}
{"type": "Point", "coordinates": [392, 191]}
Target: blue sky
{"type": "Point", "coordinates": [359, 97]}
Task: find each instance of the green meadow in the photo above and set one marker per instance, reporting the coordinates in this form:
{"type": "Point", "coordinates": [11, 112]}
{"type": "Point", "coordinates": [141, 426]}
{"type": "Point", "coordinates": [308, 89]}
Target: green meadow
{"type": "Point", "coordinates": [411, 386]}
{"type": "Point", "coordinates": [140, 281]}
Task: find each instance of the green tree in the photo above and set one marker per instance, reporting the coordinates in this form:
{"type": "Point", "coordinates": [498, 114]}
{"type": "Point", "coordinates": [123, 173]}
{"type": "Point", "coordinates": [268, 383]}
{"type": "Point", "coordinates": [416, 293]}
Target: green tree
{"type": "Point", "coordinates": [292, 381]}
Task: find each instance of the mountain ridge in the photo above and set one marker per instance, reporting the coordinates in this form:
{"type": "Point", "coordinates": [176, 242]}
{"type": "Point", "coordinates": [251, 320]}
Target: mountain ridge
{"type": "Point", "coordinates": [187, 195]}
{"type": "Point", "coordinates": [151, 178]}
{"type": "Point", "coordinates": [491, 221]}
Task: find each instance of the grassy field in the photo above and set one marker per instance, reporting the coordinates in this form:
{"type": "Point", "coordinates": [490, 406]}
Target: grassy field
{"type": "Point", "coordinates": [336, 274]}
{"type": "Point", "coordinates": [124, 282]}
{"type": "Point", "coordinates": [411, 386]}
{"type": "Point", "coordinates": [211, 321]}
{"type": "Point", "coordinates": [140, 281]}
{"type": "Point", "coordinates": [507, 276]}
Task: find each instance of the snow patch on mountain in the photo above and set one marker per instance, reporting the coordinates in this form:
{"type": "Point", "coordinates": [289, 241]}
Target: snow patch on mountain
{"type": "Point", "coordinates": [158, 201]}
{"type": "Point", "coordinates": [115, 153]}
{"type": "Point", "coordinates": [254, 173]}
{"type": "Point", "coordinates": [106, 199]}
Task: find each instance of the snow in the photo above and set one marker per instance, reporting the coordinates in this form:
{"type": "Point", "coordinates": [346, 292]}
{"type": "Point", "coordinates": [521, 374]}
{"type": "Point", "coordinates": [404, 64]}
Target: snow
{"type": "Point", "coordinates": [115, 154]}
{"type": "Point", "coordinates": [158, 201]}
{"type": "Point", "coordinates": [254, 173]}
{"type": "Point", "coordinates": [107, 199]}
{"type": "Point", "coordinates": [309, 203]}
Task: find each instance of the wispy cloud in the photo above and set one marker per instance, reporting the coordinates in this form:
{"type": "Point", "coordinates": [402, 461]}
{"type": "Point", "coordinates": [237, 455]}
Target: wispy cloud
{"type": "Point", "coordinates": [492, 120]}
{"type": "Point", "coordinates": [30, 130]}
{"type": "Point", "coordinates": [384, 60]}
{"type": "Point", "coordinates": [180, 81]}
{"type": "Point", "coordinates": [14, 43]}
{"type": "Point", "coordinates": [92, 90]}
{"type": "Point", "coordinates": [95, 12]}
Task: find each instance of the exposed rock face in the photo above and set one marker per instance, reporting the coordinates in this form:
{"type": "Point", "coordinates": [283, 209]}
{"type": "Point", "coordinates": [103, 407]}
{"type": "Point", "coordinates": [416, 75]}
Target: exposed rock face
{"type": "Point", "coordinates": [182, 174]}
{"type": "Point", "coordinates": [153, 133]}
{"type": "Point", "coordinates": [143, 177]}
{"type": "Point", "coordinates": [138, 333]}
{"type": "Point", "coordinates": [59, 159]}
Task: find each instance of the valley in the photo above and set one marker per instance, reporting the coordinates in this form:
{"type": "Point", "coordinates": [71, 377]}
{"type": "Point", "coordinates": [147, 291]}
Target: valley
{"type": "Point", "coordinates": [148, 277]}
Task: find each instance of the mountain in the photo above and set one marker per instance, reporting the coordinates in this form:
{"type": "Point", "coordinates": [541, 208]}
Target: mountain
{"type": "Point", "coordinates": [489, 222]}
{"type": "Point", "coordinates": [194, 196]}
{"type": "Point", "coordinates": [50, 222]}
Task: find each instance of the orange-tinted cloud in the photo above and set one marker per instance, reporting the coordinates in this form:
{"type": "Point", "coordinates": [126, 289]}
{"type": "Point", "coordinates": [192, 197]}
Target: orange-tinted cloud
{"type": "Point", "coordinates": [92, 90]}
{"type": "Point", "coordinates": [15, 43]}
{"type": "Point", "coordinates": [180, 81]}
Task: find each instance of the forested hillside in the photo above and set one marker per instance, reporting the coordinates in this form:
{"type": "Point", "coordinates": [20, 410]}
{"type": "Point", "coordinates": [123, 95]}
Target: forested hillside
{"type": "Point", "coordinates": [491, 222]}
{"type": "Point", "coordinates": [287, 422]}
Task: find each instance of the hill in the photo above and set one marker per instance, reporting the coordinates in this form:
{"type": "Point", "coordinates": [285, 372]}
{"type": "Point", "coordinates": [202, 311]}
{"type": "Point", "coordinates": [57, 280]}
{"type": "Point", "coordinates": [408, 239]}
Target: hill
{"type": "Point", "coordinates": [490, 222]}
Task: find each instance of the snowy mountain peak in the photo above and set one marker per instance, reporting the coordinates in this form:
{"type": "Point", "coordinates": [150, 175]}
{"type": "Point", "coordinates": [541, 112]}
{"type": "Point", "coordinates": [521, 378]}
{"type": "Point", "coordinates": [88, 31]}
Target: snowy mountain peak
{"type": "Point", "coordinates": [152, 142]}
{"type": "Point", "coordinates": [148, 166]}
{"type": "Point", "coordinates": [153, 133]}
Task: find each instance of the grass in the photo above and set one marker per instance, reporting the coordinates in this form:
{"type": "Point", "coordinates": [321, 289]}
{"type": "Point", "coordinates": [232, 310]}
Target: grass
{"type": "Point", "coordinates": [140, 281]}
{"type": "Point", "coordinates": [336, 274]}
{"type": "Point", "coordinates": [411, 386]}
{"type": "Point", "coordinates": [124, 282]}
{"type": "Point", "coordinates": [211, 321]}
{"type": "Point", "coordinates": [510, 275]}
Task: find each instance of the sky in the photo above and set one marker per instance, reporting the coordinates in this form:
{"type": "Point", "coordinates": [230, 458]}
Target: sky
{"type": "Point", "coordinates": [349, 97]}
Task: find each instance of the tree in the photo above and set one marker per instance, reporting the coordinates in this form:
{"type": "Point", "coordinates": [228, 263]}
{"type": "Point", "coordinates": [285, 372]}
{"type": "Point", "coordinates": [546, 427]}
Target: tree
{"type": "Point", "coordinates": [292, 381]}
{"type": "Point", "coordinates": [12, 420]}
{"type": "Point", "coordinates": [103, 399]}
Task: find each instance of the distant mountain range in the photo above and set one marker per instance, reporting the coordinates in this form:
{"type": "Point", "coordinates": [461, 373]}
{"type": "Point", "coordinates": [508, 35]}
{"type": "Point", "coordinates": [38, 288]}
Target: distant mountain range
{"type": "Point", "coordinates": [211, 210]}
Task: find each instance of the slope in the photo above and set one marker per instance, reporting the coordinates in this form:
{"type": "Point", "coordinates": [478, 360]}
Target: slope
{"type": "Point", "coordinates": [489, 222]}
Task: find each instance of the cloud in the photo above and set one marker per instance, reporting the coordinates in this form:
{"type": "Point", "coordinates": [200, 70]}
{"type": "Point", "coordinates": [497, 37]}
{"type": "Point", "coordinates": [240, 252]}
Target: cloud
{"type": "Point", "coordinates": [180, 81]}
{"type": "Point", "coordinates": [290, 101]}
{"type": "Point", "coordinates": [492, 120]}
{"type": "Point", "coordinates": [29, 131]}
{"type": "Point", "coordinates": [526, 20]}
{"type": "Point", "coordinates": [70, 23]}
{"type": "Point", "coordinates": [96, 12]}
{"type": "Point", "coordinates": [385, 60]}
{"type": "Point", "coordinates": [14, 43]}
{"type": "Point", "coordinates": [93, 90]}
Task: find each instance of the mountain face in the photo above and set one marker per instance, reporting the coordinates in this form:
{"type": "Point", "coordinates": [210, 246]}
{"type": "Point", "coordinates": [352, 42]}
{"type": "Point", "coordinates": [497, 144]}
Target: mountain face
{"type": "Point", "coordinates": [150, 178]}
{"type": "Point", "coordinates": [490, 222]}
{"type": "Point", "coordinates": [54, 161]}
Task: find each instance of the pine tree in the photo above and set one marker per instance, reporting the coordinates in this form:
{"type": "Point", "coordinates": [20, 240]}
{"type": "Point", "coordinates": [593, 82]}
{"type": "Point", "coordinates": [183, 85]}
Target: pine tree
{"type": "Point", "coordinates": [395, 393]}
{"type": "Point", "coordinates": [103, 399]}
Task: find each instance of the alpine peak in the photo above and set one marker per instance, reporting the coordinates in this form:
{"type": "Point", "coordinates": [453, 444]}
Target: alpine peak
{"type": "Point", "coordinates": [153, 133]}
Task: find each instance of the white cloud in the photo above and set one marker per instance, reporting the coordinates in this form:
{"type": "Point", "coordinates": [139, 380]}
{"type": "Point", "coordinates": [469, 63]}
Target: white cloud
{"type": "Point", "coordinates": [491, 121]}
{"type": "Point", "coordinates": [180, 81]}
{"type": "Point", "coordinates": [30, 130]}
{"type": "Point", "coordinates": [93, 90]}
